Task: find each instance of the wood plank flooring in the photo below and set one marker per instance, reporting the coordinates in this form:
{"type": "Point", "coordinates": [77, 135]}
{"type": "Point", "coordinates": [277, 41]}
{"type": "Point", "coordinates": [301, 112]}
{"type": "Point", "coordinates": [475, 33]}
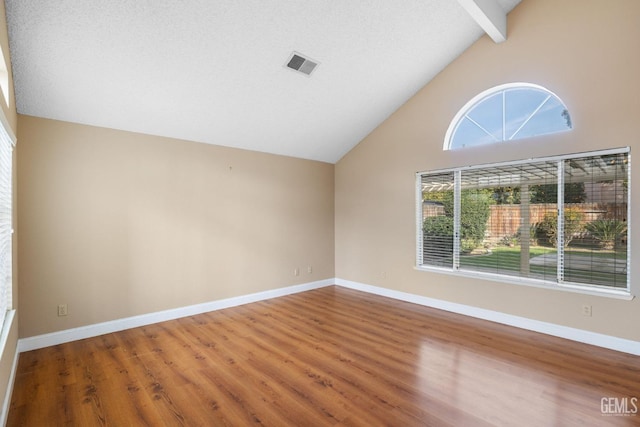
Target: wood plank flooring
{"type": "Point", "coordinates": [328, 357]}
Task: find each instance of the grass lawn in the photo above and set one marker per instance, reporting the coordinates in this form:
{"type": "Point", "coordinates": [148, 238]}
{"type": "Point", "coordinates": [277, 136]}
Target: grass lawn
{"type": "Point", "coordinates": [507, 259]}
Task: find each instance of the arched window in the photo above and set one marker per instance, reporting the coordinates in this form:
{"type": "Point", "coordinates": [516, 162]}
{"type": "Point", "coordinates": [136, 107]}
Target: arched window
{"type": "Point", "coordinates": [507, 112]}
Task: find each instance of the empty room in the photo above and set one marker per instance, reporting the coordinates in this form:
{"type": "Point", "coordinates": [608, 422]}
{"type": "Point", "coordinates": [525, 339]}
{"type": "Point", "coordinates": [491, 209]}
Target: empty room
{"type": "Point", "coordinates": [319, 213]}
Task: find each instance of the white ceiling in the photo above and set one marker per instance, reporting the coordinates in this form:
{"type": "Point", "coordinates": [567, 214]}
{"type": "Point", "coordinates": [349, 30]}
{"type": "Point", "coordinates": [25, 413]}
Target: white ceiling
{"type": "Point", "coordinates": [213, 71]}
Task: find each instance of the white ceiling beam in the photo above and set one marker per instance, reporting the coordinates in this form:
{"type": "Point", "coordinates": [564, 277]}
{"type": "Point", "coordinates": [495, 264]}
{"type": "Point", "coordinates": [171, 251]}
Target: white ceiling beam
{"type": "Point", "coordinates": [489, 15]}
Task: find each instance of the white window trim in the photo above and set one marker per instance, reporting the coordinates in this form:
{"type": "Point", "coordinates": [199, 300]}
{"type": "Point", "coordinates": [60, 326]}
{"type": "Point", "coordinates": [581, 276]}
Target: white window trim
{"type": "Point", "coordinates": [626, 293]}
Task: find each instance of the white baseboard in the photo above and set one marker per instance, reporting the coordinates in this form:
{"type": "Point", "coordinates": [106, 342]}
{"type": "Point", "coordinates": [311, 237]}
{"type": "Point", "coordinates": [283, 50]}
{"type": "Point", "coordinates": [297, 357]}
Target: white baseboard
{"type": "Point", "coordinates": [54, 338]}
{"type": "Point", "coordinates": [587, 337]}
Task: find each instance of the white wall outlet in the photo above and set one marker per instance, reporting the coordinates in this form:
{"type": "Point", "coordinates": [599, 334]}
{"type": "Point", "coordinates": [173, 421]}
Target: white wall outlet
{"type": "Point", "coordinates": [296, 271]}
{"type": "Point", "coordinates": [62, 310]}
{"type": "Point", "coordinates": [586, 310]}
{"type": "Point", "coordinates": [309, 269]}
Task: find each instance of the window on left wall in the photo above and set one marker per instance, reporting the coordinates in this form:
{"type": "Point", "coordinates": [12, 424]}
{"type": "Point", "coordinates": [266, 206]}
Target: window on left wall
{"type": "Point", "coordinates": [6, 220]}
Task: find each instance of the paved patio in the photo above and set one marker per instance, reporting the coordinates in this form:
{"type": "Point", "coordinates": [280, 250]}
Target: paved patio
{"type": "Point", "coordinates": [583, 262]}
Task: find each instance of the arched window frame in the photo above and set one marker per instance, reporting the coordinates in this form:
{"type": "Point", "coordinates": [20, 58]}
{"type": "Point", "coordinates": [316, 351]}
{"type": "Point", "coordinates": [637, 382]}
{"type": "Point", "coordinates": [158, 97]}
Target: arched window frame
{"type": "Point", "coordinates": [462, 113]}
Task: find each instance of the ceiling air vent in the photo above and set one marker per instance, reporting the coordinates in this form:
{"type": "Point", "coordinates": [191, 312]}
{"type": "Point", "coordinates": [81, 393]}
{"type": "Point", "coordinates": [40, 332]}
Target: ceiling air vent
{"type": "Point", "coordinates": [302, 64]}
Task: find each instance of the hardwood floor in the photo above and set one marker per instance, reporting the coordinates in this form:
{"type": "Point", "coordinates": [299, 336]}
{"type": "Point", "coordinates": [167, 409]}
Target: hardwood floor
{"type": "Point", "coordinates": [328, 357]}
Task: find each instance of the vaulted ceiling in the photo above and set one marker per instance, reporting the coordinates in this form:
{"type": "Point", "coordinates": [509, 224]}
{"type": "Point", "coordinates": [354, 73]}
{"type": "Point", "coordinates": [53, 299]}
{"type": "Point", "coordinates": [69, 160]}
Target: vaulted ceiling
{"type": "Point", "coordinates": [215, 71]}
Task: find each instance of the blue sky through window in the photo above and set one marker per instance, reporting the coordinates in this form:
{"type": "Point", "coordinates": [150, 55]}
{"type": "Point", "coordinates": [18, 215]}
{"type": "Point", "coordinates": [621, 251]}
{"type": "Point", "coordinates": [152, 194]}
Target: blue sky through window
{"type": "Point", "coordinates": [506, 113]}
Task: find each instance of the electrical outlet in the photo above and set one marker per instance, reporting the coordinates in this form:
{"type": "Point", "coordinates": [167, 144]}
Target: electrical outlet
{"type": "Point", "coordinates": [586, 310]}
{"type": "Point", "coordinates": [309, 269]}
{"type": "Point", "coordinates": [62, 310]}
{"type": "Point", "coordinates": [296, 271]}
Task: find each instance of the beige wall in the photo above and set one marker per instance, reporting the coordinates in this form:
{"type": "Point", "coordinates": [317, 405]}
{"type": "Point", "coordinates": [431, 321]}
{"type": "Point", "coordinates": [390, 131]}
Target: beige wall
{"type": "Point", "coordinates": [118, 224]}
{"type": "Point", "coordinates": [586, 51]}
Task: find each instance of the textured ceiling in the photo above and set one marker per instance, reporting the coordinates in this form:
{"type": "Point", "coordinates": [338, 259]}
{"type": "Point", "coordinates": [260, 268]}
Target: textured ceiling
{"type": "Point", "coordinates": [213, 71]}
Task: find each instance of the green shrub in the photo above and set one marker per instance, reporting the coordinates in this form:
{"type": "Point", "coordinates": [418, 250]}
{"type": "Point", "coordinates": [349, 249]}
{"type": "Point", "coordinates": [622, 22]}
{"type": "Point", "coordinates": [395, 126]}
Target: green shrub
{"type": "Point", "coordinates": [438, 237]}
{"type": "Point", "coordinates": [548, 193]}
{"type": "Point", "coordinates": [573, 224]}
{"type": "Point", "coordinates": [474, 214]}
{"type": "Point", "coordinates": [607, 231]}
{"type": "Point", "coordinates": [510, 240]}
{"type": "Point", "coordinates": [547, 229]}
{"type": "Point", "coordinates": [438, 225]}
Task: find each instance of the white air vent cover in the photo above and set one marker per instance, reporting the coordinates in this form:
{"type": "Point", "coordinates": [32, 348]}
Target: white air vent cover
{"type": "Point", "coordinates": [299, 62]}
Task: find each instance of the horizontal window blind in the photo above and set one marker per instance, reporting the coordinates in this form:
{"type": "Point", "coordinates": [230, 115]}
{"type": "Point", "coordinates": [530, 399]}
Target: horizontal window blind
{"type": "Point", "coordinates": [437, 219]}
{"type": "Point", "coordinates": [559, 220]}
{"type": "Point", "coordinates": [6, 230]}
{"type": "Point", "coordinates": [595, 233]}
{"type": "Point", "coordinates": [500, 218]}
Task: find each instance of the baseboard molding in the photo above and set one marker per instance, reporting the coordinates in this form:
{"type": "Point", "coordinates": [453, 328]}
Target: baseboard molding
{"type": "Point", "coordinates": [587, 337]}
{"type": "Point", "coordinates": [54, 338]}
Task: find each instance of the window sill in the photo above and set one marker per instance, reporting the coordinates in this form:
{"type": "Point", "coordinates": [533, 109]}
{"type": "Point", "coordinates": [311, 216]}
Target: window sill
{"type": "Point", "coordinates": [622, 294]}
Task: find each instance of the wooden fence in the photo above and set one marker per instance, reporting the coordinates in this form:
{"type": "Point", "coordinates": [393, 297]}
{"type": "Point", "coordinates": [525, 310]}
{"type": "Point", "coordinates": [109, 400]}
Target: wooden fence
{"type": "Point", "coordinates": [504, 220]}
